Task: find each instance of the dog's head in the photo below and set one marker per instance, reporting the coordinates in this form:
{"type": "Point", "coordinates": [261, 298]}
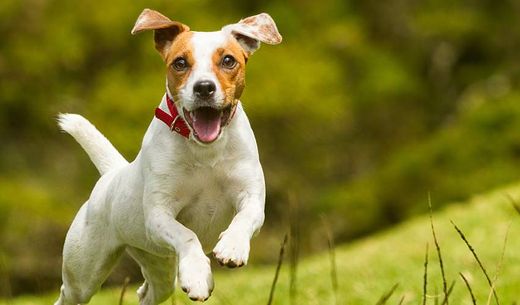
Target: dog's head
{"type": "Point", "coordinates": [206, 70]}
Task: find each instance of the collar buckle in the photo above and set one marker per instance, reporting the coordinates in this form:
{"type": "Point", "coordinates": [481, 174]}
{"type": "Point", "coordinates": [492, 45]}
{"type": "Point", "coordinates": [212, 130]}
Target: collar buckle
{"type": "Point", "coordinates": [172, 125]}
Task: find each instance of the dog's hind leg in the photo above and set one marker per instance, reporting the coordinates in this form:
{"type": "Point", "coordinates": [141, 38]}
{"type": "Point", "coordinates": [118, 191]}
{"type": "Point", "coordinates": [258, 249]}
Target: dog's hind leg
{"type": "Point", "coordinates": [159, 275]}
{"type": "Point", "coordinates": [89, 254]}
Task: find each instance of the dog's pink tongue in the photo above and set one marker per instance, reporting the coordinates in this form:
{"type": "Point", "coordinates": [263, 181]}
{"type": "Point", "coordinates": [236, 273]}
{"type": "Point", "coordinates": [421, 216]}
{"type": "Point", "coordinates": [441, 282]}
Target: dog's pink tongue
{"type": "Point", "coordinates": [206, 122]}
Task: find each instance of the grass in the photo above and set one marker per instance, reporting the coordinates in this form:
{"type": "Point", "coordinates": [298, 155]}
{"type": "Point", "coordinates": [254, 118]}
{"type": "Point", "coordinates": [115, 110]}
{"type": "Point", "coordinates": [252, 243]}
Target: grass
{"type": "Point", "coordinates": [389, 267]}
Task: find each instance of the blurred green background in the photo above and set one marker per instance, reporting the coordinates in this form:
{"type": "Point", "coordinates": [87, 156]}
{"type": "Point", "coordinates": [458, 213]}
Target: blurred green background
{"type": "Point", "coordinates": [363, 109]}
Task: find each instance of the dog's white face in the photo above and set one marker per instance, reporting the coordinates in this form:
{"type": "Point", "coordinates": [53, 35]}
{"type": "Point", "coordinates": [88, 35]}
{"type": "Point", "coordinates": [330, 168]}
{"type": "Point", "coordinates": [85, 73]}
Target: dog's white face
{"type": "Point", "coordinates": [206, 70]}
{"type": "Point", "coordinates": [206, 77]}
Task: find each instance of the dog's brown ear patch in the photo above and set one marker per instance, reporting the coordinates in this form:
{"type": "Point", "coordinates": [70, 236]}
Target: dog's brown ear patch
{"type": "Point", "coordinates": [250, 31]}
{"type": "Point", "coordinates": [165, 30]}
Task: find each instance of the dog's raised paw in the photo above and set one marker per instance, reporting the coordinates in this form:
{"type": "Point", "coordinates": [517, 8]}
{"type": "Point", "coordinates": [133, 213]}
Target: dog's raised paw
{"type": "Point", "coordinates": [195, 277]}
{"type": "Point", "coordinates": [232, 250]}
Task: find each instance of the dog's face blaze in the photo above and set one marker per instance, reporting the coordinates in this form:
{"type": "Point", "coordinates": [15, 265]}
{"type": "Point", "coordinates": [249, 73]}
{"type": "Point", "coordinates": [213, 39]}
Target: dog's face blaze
{"type": "Point", "coordinates": [216, 60]}
{"type": "Point", "coordinates": [206, 70]}
{"type": "Point", "coordinates": [199, 56]}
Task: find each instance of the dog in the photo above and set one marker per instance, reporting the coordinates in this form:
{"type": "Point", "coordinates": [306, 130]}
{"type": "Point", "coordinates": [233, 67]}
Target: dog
{"type": "Point", "coordinates": [197, 183]}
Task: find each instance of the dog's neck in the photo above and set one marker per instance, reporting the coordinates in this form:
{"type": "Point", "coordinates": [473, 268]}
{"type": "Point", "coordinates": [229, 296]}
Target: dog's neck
{"type": "Point", "coordinates": [172, 118]}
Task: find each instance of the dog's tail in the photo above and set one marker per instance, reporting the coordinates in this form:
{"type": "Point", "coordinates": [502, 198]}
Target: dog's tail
{"type": "Point", "coordinates": [102, 153]}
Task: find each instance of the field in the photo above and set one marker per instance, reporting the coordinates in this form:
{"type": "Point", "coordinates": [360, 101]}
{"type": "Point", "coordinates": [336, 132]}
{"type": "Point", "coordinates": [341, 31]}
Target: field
{"type": "Point", "coordinates": [367, 269]}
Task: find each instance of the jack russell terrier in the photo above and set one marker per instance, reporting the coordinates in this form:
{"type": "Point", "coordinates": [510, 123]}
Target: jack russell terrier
{"type": "Point", "coordinates": [196, 182]}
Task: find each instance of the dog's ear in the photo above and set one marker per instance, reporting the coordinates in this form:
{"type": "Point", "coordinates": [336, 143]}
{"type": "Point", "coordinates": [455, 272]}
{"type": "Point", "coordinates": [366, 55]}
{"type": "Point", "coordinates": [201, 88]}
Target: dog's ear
{"type": "Point", "coordinates": [250, 31]}
{"type": "Point", "coordinates": [165, 30]}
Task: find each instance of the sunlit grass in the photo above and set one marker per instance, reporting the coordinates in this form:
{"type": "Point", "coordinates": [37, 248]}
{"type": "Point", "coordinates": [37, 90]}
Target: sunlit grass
{"type": "Point", "coordinates": [369, 268]}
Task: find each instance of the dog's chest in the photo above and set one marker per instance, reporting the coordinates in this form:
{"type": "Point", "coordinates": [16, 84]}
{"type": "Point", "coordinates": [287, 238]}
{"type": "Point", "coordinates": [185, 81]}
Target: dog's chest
{"type": "Point", "coordinates": [206, 202]}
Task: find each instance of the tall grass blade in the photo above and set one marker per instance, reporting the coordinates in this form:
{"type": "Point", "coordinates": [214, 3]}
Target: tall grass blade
{"type": "Point", "coordinates": [515, 204]}
{"type": "Point", "coordinates": [473, 299]}
{"type": "Point", "coordinates": [439, 255]}
{"type": "Point", "coordinates": [384, 298]}
{"type": "Point", "coordinates": [294, 245]}
{"type": "Point", "coordinates": [491, 285]}
{"type": "Point", "coordinates": [401, 301]}
{"type": "Point", "coordinates": [425, 277]}
{"type": "Point", "coordinates": [332, 257]}
{"type": "Point", "coordinates": [278, 267]}
{"type": "Point", "coordinates": [499, 265]}
{"type": "Point", "coordinates": [123, 290]}
{"type": "Point", "coordinates": [447, 296]}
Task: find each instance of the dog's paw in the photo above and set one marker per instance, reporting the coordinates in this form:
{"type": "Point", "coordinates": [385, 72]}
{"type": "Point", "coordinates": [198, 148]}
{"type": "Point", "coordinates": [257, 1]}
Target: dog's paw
{"type": "Point", "coordinates": [195, 277]}
{"type": "Point", "coordinates": [232, 250]}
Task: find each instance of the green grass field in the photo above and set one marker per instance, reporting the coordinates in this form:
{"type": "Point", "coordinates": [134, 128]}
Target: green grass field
{"type": "Point", "coordinates": [369, 267]}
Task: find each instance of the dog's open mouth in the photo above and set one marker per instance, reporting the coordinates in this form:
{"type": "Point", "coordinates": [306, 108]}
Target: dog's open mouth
{"type": "Point", "coordinates": [207, 122]}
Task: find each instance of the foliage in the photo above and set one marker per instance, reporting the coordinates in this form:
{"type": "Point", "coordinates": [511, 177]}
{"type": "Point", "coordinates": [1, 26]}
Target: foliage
{"type": "Point", "coordinates": [364, 108]}
{"type": "Point", "coordinates": [480, 150]}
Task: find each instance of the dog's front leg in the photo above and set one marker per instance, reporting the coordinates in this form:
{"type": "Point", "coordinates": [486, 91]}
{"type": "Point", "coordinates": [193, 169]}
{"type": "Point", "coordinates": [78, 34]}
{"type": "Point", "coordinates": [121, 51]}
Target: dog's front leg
{"type": "Point", "coordinates": [232, 249]}
{"type": "Point", "coordinates": [194, 266]}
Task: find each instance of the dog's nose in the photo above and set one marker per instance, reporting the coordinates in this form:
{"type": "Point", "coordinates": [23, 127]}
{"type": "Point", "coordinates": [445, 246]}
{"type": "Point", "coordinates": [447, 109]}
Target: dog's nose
{"type": "Point", "coordinates": [204, 89]}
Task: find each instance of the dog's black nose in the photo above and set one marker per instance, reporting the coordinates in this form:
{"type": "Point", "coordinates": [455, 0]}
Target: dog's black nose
{"type": "Point", "coordinates": [204, 89]}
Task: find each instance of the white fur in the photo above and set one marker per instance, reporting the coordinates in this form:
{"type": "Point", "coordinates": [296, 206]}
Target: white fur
{"type": "Point", "coordinates": [104, 156]}
{"type": "Point", "coordinates": [167, 208]}
{"type": "Point", "coordinates": [204, 45]}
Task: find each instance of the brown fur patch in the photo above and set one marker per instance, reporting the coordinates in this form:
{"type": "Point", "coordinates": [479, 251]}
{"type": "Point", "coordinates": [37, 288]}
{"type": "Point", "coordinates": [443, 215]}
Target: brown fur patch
{"type": "Point", "coordinates": [232, 81]}
{"type": "Point", "coordinates": [181, 47]}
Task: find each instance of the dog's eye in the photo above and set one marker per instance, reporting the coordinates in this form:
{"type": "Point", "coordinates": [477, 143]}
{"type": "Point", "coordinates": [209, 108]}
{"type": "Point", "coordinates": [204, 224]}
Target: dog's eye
{"type": "Point", "coordinates": [229, 62]}
{"type": "Point", "coordinates": [180, 64]}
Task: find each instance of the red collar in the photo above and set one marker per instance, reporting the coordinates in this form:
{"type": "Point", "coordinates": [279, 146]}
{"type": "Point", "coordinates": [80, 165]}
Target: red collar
{"type": "Point", "coordinates": [175, 120]}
